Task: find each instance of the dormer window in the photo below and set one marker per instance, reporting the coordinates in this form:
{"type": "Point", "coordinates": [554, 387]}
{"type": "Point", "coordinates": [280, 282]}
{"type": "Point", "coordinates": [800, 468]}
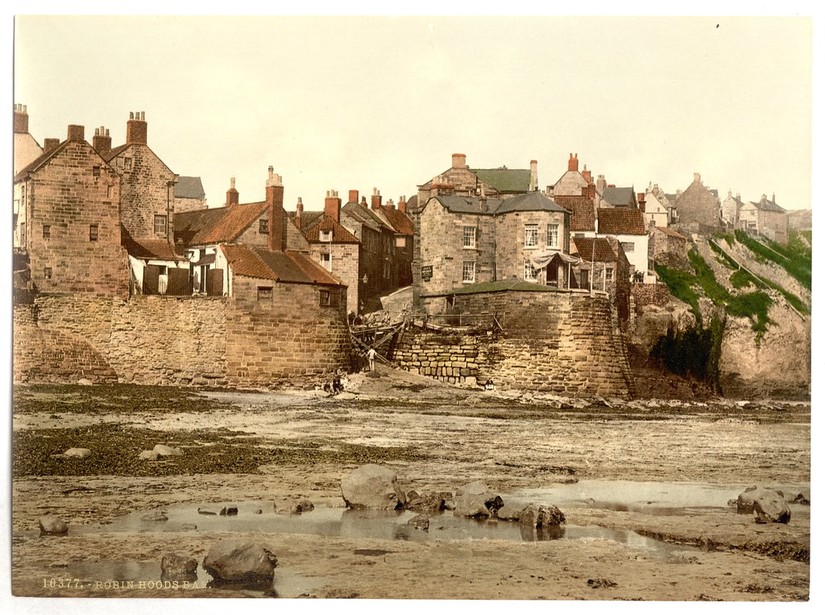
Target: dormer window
{"type": "Point", "coordinates": [326, 235]}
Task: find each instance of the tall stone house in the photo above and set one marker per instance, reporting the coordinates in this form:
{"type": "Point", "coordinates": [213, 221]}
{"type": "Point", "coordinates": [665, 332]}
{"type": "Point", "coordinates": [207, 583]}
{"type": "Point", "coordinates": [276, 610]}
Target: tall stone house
{"type": "Point", "coordinates": [656, 211]}
{"type": "Point", "coordinates": [466, 240]}
{"type": "Point", "coordinates": [402, 225]}
{"type": "Point", "coordinates": [68, 222]}
{"type": "Point", "coordinates": [698, 208]}
{"type": "Point", "coordinates": [766, 218]}
{"type": "Point", "coordinates": [573, 182]}
{"type": "Point", "coordinates": [461, 180]}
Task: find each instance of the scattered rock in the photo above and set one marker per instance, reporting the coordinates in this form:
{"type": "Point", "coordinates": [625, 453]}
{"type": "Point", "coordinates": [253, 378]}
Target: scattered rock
{"type": "Point", "coordinates": [77, 453]}
{"type": "Point", "coordinates": [292, 507]}
{"type": "Point", "coordinates": [372, 486]}
{"type": "Point", "coordinates": [420, 522]}
{"type": "Point", "coordinates": [477, 501]}
{"type": "Point", "coordinates": [148, 455]}
{"type": "Point", "coordinates": [176, 567]}
{"type": "Point", "coordinates": [85, 382]}
{"type": "Point", "coordinates": [234, 560]}
{"type": "Point", "coordinates": [542, 516]}
{"type": "Point", "coordinates": [767, 505]}
{"type": "Point", "coordinates": [801, 499]}
{"type": "Point", "coordinates": [157, 515]}
{"type": "Point", "coordinates": [301, 507]}
{"type": "Point", "coordinates": [228, 511]}
{"type": "Point", "coordinates": [53, 526]}
{"type": "Point", "coordinates": [428, 501]}
{"type": "Point", "coordinates": [258, 511]}
{"type": "Point", "coordinates": [167, 451]}
{"type": "Point", "coordinates": [188, 526]}
{"type": "Point", "coordinates": [207, 511]}
{"type": "Point", "coordinates": [599, 583]}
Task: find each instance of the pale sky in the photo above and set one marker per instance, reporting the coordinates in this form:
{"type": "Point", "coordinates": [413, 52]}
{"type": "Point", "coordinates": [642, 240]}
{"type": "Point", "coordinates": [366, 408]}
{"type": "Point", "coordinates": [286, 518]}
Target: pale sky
{"type": "Point", "coordinates": [355, 102]}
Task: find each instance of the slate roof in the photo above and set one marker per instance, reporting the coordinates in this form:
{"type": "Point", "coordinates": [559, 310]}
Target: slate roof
{"type": "Point", "coordinates": [149, 248]}
{"type": "Point", "coordinates": [582, 211]}
{"type": "Point", "coordinates": [621, 221]}
{"type": "Point", "coordinates": [289, 267]}
{"type": "Point", "coordinates": [768, 205]}
{"type": "Point", "coordinates": [529, 201]}
{"type": "Point", "coordinates": [189, 188]}
{"type": "Point", "coordinates": [217, 225]}
{"type": "Point", "coordinates": [364, 215]}
{"type": "Point", "coordinates": [467, 204]}
{"type": "Point", "coordinates": [619, 197]}
{"type": "Point", "coordinates": [504, 179]}
{"type": "Point", "coordinates": [312, 231]}
{"type": "Point", "coordinates": [602, 252]}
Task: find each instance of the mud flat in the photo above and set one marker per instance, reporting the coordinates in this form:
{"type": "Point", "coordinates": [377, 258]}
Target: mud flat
{"type": "Point", "coordinates": [644, 487]}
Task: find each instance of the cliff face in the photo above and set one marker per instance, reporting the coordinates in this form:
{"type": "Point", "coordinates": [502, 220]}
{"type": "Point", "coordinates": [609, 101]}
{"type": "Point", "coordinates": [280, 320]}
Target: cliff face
{"type": "Point", "coordinates": [736, 324]}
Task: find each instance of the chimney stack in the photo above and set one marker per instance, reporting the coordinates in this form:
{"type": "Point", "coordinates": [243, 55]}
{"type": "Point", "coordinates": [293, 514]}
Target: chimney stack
{"type": "Point", "coordinates": [353, 196]}
{"type": "Point", "coordinates": [136, 128]}
{"type": "Point", "coordinates": [49, 144]}
{"type": "Point", "coordinates": [402, 204]}
{"type": "Point", "coordinates": [332, 205]}
{"type": "Point", "coordinates": [275, 205]}
{"type": "Point", "coordinates": [21, 119]}
{"type": "Point", "coordinates": [459, 161]}
{"type": "Point", "coordinates": [601, 183]}
{"type": "Point", "coordinates": [232, 196]}
{"type": "Point", "coordinates": [697, 178]}
{"type": "Point", "coordinates": [588, 176]}
{"type": "Point", "coordinates": [376, 199]}
{"type": "Point", "coordinates": [102, 142]}
{"type": "Point", "coordinates": [641, 199]}
{"type": "Point", "coordinates": [573, 163]}
{"type": "Point", "coordinates": [534, 176]}
{"type": "Point", "coordinates": [76, 133]}
{"type": "Point", "coordinates": [299, 212]}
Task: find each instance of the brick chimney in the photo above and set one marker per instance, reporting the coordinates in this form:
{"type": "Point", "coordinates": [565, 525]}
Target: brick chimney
{"type": "Point", "coordinates": [332, 205]}
{"type": "Point", "coordinates": [402, 204]}
{"type": "Point", "coordinates": [573, 163]}
{"type": "Point", "coordinates": [299, 212]}
{"type": "Point", "coordinates": [534, 175]}
{"type": "Point", "coordinates": [49, 144]}
{"type": "Point", "coordinates": [136, 128]}
{"type": "Point", "coordinates": [601, 183]}
{"type": "Point", "coordinates": [376, 199]}
{"type": "Point", "coordinates": [76, 133]}
{"type": "Point", "coordinates": [588, 176]}
{"type": "Point", "coordinates": [697, 178]}
{"type": "Point", "coordinates": [353, 196]}
{"type": "Point", "coordinates": [232, 196]}
{"type": "Point", "coordinates": [21, 119]}
{"type": "Point", "coordinates": [640, 197]}
{"type": "Point", "coordinates": [102, 142]}
{"type": "Point", "coordinates": [277, 215]}
{"type": "Point", "coordinates": [459, 161]}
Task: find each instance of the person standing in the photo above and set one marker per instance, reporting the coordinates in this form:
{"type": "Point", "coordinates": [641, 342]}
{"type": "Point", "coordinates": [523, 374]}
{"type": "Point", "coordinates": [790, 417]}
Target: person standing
{"type": "Point", "coordinates": [371, 358]}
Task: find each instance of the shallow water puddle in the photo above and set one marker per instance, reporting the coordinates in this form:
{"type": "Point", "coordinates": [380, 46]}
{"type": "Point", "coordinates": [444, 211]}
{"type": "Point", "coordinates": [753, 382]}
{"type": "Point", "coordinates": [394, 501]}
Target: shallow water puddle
{"type": "Point", "coordinates": [656, 498]}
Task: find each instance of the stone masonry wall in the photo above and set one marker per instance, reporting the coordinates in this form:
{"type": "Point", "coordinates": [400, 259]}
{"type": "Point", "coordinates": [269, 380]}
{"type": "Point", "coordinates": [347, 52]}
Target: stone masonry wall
{"type": "Point", "coordinates": [146, 190]}
{"type": "Point", "coordinates": [560, 342]}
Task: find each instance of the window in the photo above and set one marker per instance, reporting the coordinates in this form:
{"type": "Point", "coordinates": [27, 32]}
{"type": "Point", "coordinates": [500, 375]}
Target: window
{"type": "Point", "coordinates": [608, 275]}
{"type": "Point", "coordinates": [127, 164]}
{"type": "Point", "coordinates": [93, 232]}
{"type": "Point", "coordinates": [326, 261]}
{"type": "Point", "coordinates": [160, 225]}
{"type": "Point", "coordinates": [47, 273]}
{"type": "Point", "coordinates": [328, 298]}
{"type": "Point", "coordinates": [468, 272]}
{"type": "Point", "coordinates": [263, 226]}
{"type": "Point", "coordinates": [264, 293]}
{"type": "Point", "coordinates": [23, 233]}
{"type": "Point", "coordinates": [47, 231]}
{"type": "Point", "coordinates": [109, 191]}
{"type": "Point", "coordinates": [628, 246]}
{"type": "Point", "coordinates": [469, 237]}
{"type": "Point", "coordinates": [96, 171]}
{"type": "Point", "coordinates": [400, 242]}
{"type": "Point", "coordinates": [584, 278]}
{"type": "Point", "coordinates": [326, 235]}
{"type": "Point", "coordinates": [552, 235]}
{"type": "Point", "coordinates": [530, 272]}
{"type": "Point", "coordinates": [531, 236]}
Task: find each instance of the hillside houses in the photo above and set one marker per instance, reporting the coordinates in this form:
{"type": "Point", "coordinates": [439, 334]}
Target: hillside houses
{"type": "Point", "coordinates": [764, 217]}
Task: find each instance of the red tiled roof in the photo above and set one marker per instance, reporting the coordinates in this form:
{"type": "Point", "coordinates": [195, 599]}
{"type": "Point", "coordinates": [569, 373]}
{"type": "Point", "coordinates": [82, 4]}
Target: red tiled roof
{"type": "Point", "coordinates": [602, 252]}
{"type": "Point", "coordinates": [400, 221]}
{"type": "Point", "coordinates": [290, 267]}
{"type": "Point", "coordinates": [149, 247]}
{"type": "Point", "coordinates": [621, 221]}
{"type": "Point", "coordinates": [324, 223]}
{"type": "Point", "coordinates": [218, 225]}
{"type": "Point", "coordinates": [582, 211]}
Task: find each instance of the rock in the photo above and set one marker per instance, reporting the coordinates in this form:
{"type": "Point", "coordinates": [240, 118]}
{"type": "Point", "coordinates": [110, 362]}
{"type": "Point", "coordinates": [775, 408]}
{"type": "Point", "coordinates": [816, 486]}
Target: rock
{"type": "Point", "coordinates": [801, 499]}
{"type": "Point", "coordinates": [510, 512]}
{"type": "Point", "coordinates": [292, 507]}
{"type": "Point", "coordinates": [475, 500]}
{"type": "Point", "coordinates": [175, 567]}
{"type": "Point", "coordinates": [234, 560]}
{"type": "Point", "coordinates": [188, 526]}
{"type": "Point", "coordinates": [532, 515]}
{"type": "Point", "coordinates": [598, 583]}
{"type": "Point", "coordinates": [372, 486]}
{"type": "Point", "coordinates": [301, 507]}
{"type": "Point", "coordinates": [157, 515]}
{"type": "Point", "coordinates": [167, 451]}
{"type": "Point", "coordinates": [77, 453]}
{"type": "Point", "coordinates": [420, 522]}
{"type": "Point", "coordinates": [228, 511]}
{"type": "Point", "coordinates": [428, 501]}
{"type": "Point", "coordinates": [148, 455]}
{"type": "Point", "coordinates": [207, 511]}
{"type": "Point", "coordinates": [767, 505]}
{"type": "Point", "coordinates": [85, 382]}
{"type": "Point", "coordinates": [53, 526]}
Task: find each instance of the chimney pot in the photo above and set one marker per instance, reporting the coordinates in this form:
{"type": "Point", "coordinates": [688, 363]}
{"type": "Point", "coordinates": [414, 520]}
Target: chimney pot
{"type": "Point", "coordinates": [697, 178]}
{"type": "Point", "coordinates": [573, 163]}
{"type": "Point", "coordinates": [232, 196]}
{"type": "Point", "coordinates": [376, 199]}
{"type": "Point", "coordinates": [136, 129]}
{"type": "Point", "coordinates": [102, 142]}
{"type": "Point", "coordinates": [332, 205]}
{"type": "Point", "coordinates": [76, 133]}
{"type": "Point", "coordinates": [21, 119]}
{"type": "Point", "coordinates": [353, 196]}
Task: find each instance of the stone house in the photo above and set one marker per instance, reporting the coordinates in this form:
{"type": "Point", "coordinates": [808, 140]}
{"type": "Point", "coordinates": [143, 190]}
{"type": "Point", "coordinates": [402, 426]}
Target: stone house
{"type": "Point", "coordinates": [331, 245]}
{"type": "Point", "coordinates": [766, 218]}
{"type": "Point", "coordinates": [603, 267]}
{"type": "Point", "coordinates": [402, 224]}
{"type": "Point", "coordinates": [655, 209]}
{"type": "Point", "coordinates": [698, 208]}
{"type": "Point", "coordinates": [68, 223]}
{"type": "Point", "coordinates": [666, 240]}
{"type": "Point", "coordinates": [628, 226]}
{"type": "Point", "coordinates": [26, 150]}
{"type": "Point", "coordinates": [573, 182]}
{"type": "Point", "coordinates": [730, 210]}
{"type": "Point", "coordinates": [461, 180]}
{"type": "Point", "coordinates": [612, 196]}
{"type": "Point", "coordinates": [582, 214]}
{"type": "Point", "coordinates": [466, 240]}
{"type": "Point", "coordinates": [198, 233]}
{"type": "Point", "coordinates": [189, 194]}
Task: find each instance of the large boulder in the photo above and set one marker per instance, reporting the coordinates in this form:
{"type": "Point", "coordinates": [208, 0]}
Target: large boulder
{"type": "Point", "coordinates": [176, 567]}
{"type": "Point", "coordinates": [767, 505]}
{"type": "Point", "coordinates": [536, 516]}
{"type": "Point", "coordinates": [53, 526]}
{"type": "Point", "coordinates": [77, 453]}
{"type": "Point", "coordinates": [372, 486]}
{"type": "Point", "coordinates": [234, 560]}
{"type": "Point", "coordinates": [167, 451]}
{"type": "Point", "coordinates": [477, 501]}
